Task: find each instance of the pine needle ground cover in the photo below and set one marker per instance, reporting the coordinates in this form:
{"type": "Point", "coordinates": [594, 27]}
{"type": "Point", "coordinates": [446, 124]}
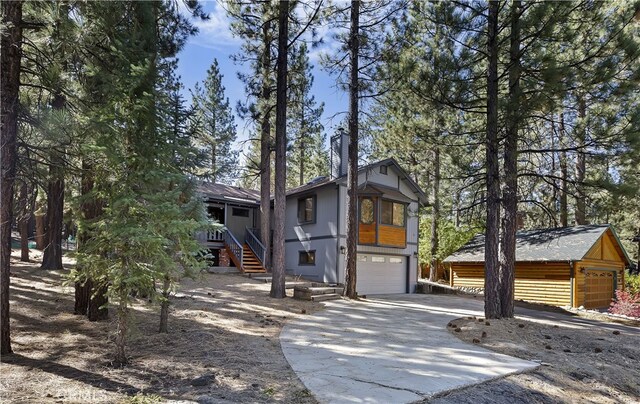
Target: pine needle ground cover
{"type": "Point", "coordinates": [579, 365]}
{"type": "Point", "coordinates": [222, 345]}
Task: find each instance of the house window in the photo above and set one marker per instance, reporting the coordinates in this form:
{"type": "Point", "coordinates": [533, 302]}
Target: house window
{"type": "Point", "coordinates": [392, 213]}
{"type": "Point", "coordinates": [383, 170]}
{"type": "Point", "coordinates": [366, 211]}
{"type": "Point", "coordinates": [307, 210]}
{"type": "Point", "coordinates": [240, 212]}
{"type": "Point", "coordinates": [307, 257]}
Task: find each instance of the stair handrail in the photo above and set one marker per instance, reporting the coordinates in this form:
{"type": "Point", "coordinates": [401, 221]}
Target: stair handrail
{"type": "Point", "coordinates": [234, 245]}
{"type": "Point", "coordinates": [255, 245]}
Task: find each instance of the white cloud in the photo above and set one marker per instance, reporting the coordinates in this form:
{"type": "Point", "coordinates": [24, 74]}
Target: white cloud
{"type": "Point", "coordinates": [214, 33]}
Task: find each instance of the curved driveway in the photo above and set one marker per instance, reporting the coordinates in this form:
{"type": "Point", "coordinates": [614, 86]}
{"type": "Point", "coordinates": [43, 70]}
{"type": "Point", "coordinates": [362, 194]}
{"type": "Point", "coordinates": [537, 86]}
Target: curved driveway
{"type": "Point", "coordinates": [392, 349]}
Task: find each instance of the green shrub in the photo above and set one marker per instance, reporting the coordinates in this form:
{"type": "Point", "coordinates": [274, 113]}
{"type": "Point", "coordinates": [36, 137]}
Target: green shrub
{"type": "Point", "coordinates": [633, 284]}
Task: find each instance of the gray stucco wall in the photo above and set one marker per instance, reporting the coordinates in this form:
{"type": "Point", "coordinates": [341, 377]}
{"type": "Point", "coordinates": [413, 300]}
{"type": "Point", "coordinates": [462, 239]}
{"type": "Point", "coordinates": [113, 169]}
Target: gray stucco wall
{"type": "Point", "coordinates": [319, 236]}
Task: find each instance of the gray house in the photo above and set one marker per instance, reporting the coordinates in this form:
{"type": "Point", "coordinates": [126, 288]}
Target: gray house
{"type": "Point", "coordinates": [315, 227]}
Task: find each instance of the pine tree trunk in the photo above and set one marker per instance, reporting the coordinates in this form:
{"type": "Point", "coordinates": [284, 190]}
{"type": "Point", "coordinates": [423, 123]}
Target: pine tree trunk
{"type": "Point", "coordinates": [23, 222]}
{"type": "Point", "coordinates": [122, 327]}
{"type": "Point", "coordinates": [510, 191]}
{"type": "Point", "coordinates": [89, 300]}
{"type": "Point", "coordinates": [82, 295]}
{"type": "Point", "coordinates": [265, 148]}
{"type": "Point", "coordinates": [10, 45]}
{"type": "Point", "coordinates": [302, 145]}
{"type": "Point", "coordinates": [301, 182]}
{"type": "Point", "coordinates": [52, 257]}
{"type": "Point", "coordinates": [492, 299]}
{"type": "Point", "coordinates": [97, 309]}
{"type": "Point", "coordinates": [564, 174]}
{"type": "Point", "coordinates": [23, 226]}
{"type": "Point", "coordinates": [164, 306]}
{"type": "Point", "coordinates": [352, 171]}
{"type": "Point", "coordinates": [435, 215]}
{"type": "Point", "coordinates": [580, 215]}
{"type": "Point", "coordinates": [278, 276]}
{"type": "Point", "coordinates": [41, 229]}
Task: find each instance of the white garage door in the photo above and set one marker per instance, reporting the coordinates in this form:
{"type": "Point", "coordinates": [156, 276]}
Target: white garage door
{"type": "Point", "coordinates": [381, 274]}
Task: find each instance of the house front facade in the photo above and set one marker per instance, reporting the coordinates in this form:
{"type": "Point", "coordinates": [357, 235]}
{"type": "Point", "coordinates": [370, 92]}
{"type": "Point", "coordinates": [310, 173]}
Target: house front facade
{"type": "Point", "coordinates": [315, 226]}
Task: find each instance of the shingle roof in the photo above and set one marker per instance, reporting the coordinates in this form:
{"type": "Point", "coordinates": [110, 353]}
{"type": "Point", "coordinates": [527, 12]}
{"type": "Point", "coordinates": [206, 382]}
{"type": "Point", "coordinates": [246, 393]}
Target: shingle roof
{"type": "Point", "coordinates": [228, 192]}
{"type": "Point", "coordinates": [389, 161]}
{"type": "Point", "coordinates": [558, 244]}
{"type": "Point", "coordinates": [318, 182]}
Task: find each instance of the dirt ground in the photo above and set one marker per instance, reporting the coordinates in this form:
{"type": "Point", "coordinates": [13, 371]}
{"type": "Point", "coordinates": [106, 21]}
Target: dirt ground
{"type": "Point", "coordinates": [578, 365]}
{"type": "Point", "coordinates": [223, 329]}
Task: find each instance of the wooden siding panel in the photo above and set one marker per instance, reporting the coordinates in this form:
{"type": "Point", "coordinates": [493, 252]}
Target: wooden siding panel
{"type": "Point", "coordinates": [609, 252]}
{"type": "Point", "coordinates": [367, 233]}
{"type": "Point", "coordinates": [596, 251]}
{"type": "Point", "coordinates": [535, 282]}
{"type": "Point", "coordinates": [392, 236]}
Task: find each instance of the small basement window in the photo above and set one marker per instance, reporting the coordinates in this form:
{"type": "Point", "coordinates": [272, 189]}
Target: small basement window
{"type": "Point", "coordinates": [240, 212]}
{"type": "Point", "coordinates": [307, 210]}
{"type": "Point", "coordinates": [307, 257]}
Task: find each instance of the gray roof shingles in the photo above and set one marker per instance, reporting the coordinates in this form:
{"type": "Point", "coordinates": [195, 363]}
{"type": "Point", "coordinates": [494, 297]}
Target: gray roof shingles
{"type": "Point", "coordinates": [558, 244]}
{"type": "Point", "coordinates": [228, 192]}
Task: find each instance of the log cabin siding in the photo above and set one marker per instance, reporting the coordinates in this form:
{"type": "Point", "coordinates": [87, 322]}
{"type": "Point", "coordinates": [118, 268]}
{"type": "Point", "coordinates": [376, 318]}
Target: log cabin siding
{"type": "Point", "coordinates": [548, 283]}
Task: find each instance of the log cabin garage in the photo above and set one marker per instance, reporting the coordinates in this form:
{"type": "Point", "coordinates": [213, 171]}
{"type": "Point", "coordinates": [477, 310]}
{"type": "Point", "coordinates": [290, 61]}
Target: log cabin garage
{"type": "Point", "coordinates": [570, 266]}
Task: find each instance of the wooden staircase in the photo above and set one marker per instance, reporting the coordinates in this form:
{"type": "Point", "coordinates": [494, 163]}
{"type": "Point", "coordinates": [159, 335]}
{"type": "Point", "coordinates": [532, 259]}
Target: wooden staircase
{"type": "Point", "coordinates": [250, 263]}
{"type": "Point", "coordinates": [242, 255]}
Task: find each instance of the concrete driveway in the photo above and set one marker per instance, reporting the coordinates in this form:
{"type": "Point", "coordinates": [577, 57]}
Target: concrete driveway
{"type": "Point", "coordinates": [392, 349]}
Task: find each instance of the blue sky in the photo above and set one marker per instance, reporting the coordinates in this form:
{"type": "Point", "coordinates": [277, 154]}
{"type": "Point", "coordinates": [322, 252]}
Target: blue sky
{"type": "Point", "coordinates": [215, 41]}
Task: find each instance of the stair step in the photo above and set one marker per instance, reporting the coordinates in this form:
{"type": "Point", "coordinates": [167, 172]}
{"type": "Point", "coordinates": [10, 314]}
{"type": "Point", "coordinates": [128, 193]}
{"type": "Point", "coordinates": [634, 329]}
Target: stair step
{"type": "Point", "coordinates": [321, 298]}
{"type": "Point", "coordinates": [321, 290]}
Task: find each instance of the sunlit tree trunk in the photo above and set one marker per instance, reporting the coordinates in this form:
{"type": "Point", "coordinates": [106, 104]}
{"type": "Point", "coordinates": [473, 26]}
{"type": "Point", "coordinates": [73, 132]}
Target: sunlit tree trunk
{"type": "Point", "coordinates": [510, 190]}
{"type": "Point", "coordinates": [265, 147]}
{"type": "Point", "coordinates": [352, 170]}
{"type": "Point", "coordinates": [278, 276]}
{"type": "Point", "coordinates": [492, 299]}
{"type": "Point", "coordinates": [435, 215]}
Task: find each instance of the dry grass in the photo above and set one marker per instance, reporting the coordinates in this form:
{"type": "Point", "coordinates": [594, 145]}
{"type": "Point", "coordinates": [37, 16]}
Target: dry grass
{"type": "Point", "coordinates": [225, 325]}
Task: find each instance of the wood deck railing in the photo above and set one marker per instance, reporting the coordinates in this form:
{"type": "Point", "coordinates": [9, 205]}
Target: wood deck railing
{"type": "Point", "coordinates": [234, 247]}
{"type": "Point", "coordinates": [255, 244]}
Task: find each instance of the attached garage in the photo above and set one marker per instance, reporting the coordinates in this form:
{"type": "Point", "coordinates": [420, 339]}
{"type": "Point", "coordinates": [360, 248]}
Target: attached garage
{"type": "Point", "coordinates": [569, 266]}
{"type": "Point", "coordinates": [381, 274]}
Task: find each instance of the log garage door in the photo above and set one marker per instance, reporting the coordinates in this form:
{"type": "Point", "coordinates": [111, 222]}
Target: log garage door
{"type": "Point", "coordinates": [599, 287]}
